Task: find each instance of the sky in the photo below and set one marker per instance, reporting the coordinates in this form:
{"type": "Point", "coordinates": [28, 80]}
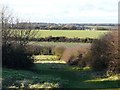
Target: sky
{"type": "Point", "coordinates": [65, 11]}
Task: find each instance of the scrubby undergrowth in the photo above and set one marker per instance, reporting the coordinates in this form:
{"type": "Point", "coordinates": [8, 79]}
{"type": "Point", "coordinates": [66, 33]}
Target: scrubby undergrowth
{"type": "Point", "coordinates": [105, 53]}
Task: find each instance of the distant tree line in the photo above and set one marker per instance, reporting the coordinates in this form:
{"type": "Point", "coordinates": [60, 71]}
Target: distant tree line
{"type": "Point", "coordinates": [48, 26]}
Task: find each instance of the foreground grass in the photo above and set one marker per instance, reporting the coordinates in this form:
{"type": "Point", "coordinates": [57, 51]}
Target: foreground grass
{"type": "Point", "coordinates": [28, 79]}
{"type": "Point", "coordinates": [57, 75]}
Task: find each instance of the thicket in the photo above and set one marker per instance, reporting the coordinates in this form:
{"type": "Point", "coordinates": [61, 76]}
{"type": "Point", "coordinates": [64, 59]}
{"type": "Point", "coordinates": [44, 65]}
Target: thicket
{"type": "Point", "coordinates": [40, 50]}
{"type": "Point", "coordinates": [63, 39]}
{"type": "Point", "coordinates": [77, 56]}
{"type": "Point", "coordinates": [59, 51]}
{"type": "Point", "coordinates": [105, 53]}
{"type": "Point", "coordinates": [58, 39]}
{"type": "Point", "coordinates": [15, 56]}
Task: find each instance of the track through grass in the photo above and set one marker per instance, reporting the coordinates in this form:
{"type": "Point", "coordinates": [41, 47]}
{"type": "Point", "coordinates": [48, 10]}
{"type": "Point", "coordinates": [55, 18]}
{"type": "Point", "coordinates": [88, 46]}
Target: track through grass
{"type": "Point", "coordinates": [58, 75]}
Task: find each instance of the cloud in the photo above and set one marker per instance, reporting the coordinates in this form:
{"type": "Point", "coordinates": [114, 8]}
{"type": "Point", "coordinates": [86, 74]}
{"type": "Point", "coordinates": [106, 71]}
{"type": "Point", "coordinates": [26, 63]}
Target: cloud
{"type": "Point", "coordinates": [66, 10]}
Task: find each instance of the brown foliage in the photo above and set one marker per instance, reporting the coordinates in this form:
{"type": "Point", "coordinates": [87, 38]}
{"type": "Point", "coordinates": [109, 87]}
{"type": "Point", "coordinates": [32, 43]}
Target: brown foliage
{"type": "Point", "coordinates": [105, 53]}
{"type": "Point", "coordinates": [76, 55]}
{"type": "Point", "coordinates": [59, 50]}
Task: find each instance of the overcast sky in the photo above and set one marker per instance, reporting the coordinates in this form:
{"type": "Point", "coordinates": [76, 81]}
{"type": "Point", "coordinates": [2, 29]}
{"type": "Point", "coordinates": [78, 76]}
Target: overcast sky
{"type": "Point", "coordinates": [66, 11]}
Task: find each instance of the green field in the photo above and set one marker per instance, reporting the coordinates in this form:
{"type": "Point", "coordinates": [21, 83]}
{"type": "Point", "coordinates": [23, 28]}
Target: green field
{"type": "Point", "coordinates": [70, 33]}
{"type": "Point", "coordinates": [65, 44]}
{"type": "Point", "coordinates": [57, 75]}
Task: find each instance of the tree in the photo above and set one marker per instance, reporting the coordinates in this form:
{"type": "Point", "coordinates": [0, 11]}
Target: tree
{"type": "Point", "coordinates": [10, 35]}
{"type": "Point", "coordinates": [14, 41]}
{"type": "Point", "coordinates": [6, 19]}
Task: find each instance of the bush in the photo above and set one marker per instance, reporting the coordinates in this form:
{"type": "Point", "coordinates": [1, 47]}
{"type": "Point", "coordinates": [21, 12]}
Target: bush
{"type": "Point", "coordinates": [33, 49]}
{"type": "Point", "coordinates": [86, 60]}
{"type": "Point", "coordinates": [39, 50]}
{"type": "Point", "coordinates": [105, 53]}
{"type": "Point", "coordinates": [47, 50]}
{"type": "Point", "coordinates": [76, 56]}
{"type": "Point", "coordinates": [15, 56]}
{"type": "Point", "coordinates": [59, 50]}
{"type": "Point", "coordinates": [62, 39]}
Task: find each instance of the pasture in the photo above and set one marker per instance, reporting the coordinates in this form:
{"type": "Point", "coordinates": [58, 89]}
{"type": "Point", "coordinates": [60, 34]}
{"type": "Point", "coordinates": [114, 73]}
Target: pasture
{"type": "Point", "coordinates": [57, 75]}
{"type": "Point", "coordinates": [65, 44]}
{"type": "Point", "coordinates": [70, 33]}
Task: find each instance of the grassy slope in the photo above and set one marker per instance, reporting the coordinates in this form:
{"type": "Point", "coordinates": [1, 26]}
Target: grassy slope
{"type": "Point", "coordinates": [70, 33]}
{"type": "Point", "coordinates": [58, 75]}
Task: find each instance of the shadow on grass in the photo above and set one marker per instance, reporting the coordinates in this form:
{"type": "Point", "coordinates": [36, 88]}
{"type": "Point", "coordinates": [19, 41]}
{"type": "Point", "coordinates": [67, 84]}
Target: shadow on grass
{"type": "Point", "coordinates": [57, 73]}
{"type": "Point", "coordinates": [105, 84]}
{"type": "Point", "coordinates": [75, 77]}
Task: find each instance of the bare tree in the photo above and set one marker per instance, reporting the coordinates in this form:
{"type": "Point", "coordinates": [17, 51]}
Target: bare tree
{"type": "Point", "coordinates": [10, 35]}
{"type": "Point", "coordinates": [14, 53]}
{"type": "Point", "coordinates": [6, 19]}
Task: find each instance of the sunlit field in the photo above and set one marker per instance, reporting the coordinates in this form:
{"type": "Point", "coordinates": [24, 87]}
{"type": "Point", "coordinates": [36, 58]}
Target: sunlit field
{"type": "Point", "coordinates": [70, 33]}
{"type": "Point", "coordinates": [66, 44]}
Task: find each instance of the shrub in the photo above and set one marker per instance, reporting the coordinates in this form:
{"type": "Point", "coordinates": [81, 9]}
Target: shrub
{"type": "Point", "coordinates": [16, 57]}
{"type": "Point", "coordinates": [59, 50]}
{"type": "Point", "coordinates": [76, 56]}
{"type": "Point", "coordinates": [105, 53]}
{"type": "Point", "coordinates": [33, 49]}
{"type": "Point", "coordinates": [47, 50]}
{"type": "Point", "coordinates": [86, 60]}
{"type": "Point", "coordinates": [39, 50]}
{"type": "Point", "coordinates": [62, 39]}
